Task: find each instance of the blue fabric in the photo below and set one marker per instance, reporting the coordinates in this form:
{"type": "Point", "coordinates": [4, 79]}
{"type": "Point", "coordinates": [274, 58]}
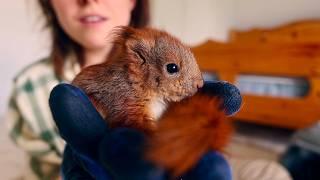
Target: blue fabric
{"type": "Point", "coordinates": [97, 152]}
{"type": "Point", "coordinates": [71, 168]}
{"type": "Point", "coordinates": [79, 124]}
{"type": "Point", "coordinates": [122, 152]}
{"type": "Point", "coordinates": [77, 166]}
{"type": "Point", "coordinates": [228, 92]}
{"type": "Point", "coordinates": [211, 166]}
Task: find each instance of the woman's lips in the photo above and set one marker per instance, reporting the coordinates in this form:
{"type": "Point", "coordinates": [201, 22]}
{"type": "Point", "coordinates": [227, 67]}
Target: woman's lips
{"type": "Point", "coordinates": [92, 19]}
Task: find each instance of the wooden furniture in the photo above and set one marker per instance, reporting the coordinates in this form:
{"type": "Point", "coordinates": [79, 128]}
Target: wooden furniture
{"type": "Point", "coordinates": [288, 51]}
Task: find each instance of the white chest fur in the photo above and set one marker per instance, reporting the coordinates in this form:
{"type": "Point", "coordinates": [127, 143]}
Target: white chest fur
{"type": "Point", "coordinates": [157, 106]}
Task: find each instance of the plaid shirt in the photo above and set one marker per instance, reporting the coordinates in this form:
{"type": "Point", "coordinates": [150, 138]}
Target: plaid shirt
{"type": "Point", "coordinates": [29, 118]}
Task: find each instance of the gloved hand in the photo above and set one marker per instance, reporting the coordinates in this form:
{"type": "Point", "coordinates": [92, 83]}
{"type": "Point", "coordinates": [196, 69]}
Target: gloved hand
{"type": "Point", "coordinates": [94, 151]}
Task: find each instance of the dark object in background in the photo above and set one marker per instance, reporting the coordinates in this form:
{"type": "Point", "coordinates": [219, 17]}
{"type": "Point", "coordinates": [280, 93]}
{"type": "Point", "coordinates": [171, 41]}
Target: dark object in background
{"type": "Point", "coordinates": [302, 164]}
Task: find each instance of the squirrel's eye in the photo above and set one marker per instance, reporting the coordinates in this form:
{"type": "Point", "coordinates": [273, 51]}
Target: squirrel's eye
{"type": "Point", "coordinates": [172, 68]}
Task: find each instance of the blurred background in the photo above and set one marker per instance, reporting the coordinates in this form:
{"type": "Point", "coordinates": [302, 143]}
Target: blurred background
{"type": "Point", "coordinates": [22, 28]}
{"type": "Point", "coordinates": [25, 40]}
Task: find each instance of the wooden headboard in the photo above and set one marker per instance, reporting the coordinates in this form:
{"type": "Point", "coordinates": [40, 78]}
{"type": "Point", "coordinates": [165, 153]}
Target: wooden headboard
{"type": "Point", "coordinates": [297, 32]}
{"type": "Point", "coordinates": [288, 51]}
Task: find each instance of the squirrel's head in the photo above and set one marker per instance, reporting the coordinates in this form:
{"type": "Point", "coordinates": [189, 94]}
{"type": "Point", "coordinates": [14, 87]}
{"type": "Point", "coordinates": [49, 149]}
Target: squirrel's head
{"type": "Point", "coordinates": [161, 62]}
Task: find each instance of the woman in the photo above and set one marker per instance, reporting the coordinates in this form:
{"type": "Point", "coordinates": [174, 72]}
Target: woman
{"type": "Point", "coordinates": [80, 31]}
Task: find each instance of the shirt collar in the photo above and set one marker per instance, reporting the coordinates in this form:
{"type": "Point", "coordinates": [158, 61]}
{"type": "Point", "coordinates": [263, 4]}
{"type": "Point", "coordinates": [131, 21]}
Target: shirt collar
{"type": "Point", "coordinates": [71, 68]}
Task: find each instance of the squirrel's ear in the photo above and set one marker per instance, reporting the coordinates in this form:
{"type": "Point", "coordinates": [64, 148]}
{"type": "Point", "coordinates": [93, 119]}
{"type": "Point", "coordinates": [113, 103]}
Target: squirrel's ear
{"type": "Point", "coordinates": [138, 51]}
{"type": "Point", "coordinates": [121, 35]}
{"type": "Point", "coordinates": [130, 39]}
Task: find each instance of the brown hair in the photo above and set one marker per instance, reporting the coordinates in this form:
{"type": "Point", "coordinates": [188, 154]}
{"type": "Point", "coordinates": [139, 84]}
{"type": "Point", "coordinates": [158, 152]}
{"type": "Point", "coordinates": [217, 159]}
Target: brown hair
{"type": "Point", "coordinates": [62, 45]}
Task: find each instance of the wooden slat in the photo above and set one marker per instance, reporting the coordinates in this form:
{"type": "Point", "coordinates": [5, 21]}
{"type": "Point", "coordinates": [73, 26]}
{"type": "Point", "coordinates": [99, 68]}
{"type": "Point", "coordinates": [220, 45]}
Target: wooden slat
{"type": "Point", "coordinates": [289, 113]}
{"type": "Point", "coordinates": [305, 32]}
{"type": "Point", "coordinates": [272, 59]}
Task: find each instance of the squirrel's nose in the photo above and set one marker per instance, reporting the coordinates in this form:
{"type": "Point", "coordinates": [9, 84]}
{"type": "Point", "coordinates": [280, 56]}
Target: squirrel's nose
{"type": "Point", "coordinates": [198, 83]}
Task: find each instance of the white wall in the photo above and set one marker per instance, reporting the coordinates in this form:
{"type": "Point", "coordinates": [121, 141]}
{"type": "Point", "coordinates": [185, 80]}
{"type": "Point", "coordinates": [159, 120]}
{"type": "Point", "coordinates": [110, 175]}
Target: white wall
{"type": "Point", "coordinates": [194, 21]}
{"type": "Point", "coordinates": [271, 13]}
{"type": "Point", "coordinates": [21, 42]}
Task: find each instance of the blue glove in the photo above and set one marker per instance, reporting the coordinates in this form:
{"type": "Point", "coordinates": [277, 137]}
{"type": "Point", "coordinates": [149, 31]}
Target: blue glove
{"type": "Point", "coordinates": [93, 148]}
{"type": "Point", "coordinates": [94, 151]}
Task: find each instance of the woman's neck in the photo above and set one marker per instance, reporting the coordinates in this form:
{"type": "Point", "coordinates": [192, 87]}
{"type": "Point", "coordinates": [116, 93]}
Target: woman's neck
{"type": "Point", "coordinates": [95, 56]}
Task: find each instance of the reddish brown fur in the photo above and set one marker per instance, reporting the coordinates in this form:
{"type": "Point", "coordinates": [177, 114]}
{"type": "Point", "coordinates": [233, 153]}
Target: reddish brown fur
{"type": "Point", "coordinates": [187, 131]}
{"type": "Point", "coordinates": [134, 75]}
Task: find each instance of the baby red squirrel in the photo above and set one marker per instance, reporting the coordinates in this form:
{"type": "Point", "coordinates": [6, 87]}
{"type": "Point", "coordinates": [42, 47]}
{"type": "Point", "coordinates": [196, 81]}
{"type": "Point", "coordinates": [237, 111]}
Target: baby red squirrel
{"type": "Point", "coordinates": [146, 69]}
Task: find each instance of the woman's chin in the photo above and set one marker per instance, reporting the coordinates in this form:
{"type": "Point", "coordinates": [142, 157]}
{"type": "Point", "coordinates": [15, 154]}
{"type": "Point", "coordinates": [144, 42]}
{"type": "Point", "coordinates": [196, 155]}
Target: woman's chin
{"type": "Point", "coordinates": [95, 46]}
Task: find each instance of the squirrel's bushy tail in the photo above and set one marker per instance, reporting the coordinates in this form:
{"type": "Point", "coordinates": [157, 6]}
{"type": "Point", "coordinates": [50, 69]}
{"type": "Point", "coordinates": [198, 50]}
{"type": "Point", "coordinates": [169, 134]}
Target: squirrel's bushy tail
{"type": "Point", "coordinates": [187, 131]}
